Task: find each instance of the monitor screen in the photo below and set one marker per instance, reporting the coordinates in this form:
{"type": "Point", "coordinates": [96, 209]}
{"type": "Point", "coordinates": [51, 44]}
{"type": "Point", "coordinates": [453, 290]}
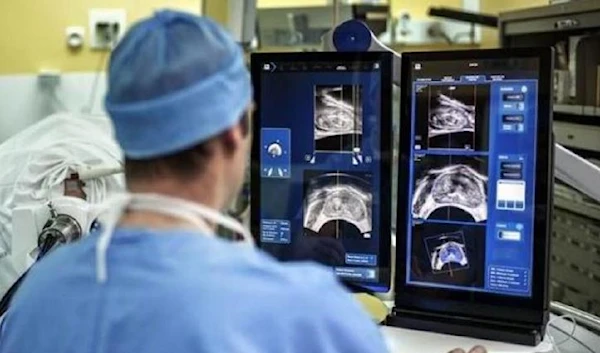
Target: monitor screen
{"type": "Point", "coordinates": [320, 183]}
{"type": "Point", "coordinates": [472, 174]}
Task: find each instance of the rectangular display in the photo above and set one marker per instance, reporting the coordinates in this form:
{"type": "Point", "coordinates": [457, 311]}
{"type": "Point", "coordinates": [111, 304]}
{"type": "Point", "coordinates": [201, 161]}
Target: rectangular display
{"type": "Point", "coordinates": [323, 190]}
{"type": "Point", "coordinates": [472, 175]}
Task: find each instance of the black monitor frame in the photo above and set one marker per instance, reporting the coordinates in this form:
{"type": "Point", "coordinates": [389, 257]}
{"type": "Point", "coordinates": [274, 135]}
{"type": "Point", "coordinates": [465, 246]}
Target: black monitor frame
{"type": "Point", "coordinates": [385, 59]}
{"type": "Point", "coordinates": [478, 305]}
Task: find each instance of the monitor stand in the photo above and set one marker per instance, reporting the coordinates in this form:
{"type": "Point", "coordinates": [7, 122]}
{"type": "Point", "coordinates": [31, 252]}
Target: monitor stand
{"type": "Point", "coordinates": [503, 331]}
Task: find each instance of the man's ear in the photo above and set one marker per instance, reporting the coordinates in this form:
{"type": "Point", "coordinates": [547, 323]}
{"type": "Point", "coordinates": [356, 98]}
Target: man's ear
{"type": "Point", "coordinates": [233, 138]}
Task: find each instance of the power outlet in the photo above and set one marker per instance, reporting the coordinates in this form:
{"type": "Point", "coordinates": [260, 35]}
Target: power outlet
{"type": "Point", "coordinates": [106, 27]}
{"type": "Point", "coordinates": [75, 36]}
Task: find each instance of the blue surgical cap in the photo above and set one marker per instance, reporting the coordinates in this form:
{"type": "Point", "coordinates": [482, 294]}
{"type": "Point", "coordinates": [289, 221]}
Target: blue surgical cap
{"type": "Point", "coordinates": [174, 81]}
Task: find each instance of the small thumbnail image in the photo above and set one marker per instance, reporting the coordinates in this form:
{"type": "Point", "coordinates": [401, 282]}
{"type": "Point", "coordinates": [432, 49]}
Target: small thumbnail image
{"type": "Point", "coordinates": [447, 252]}
{"type": "Point", "coordinates": [338, 204]}
{"type": "Point", "coordinates": [338, 118]}
{"type": "Point", "coordinates": [450, 254]}
{"type": "Point", "coordinates": [450, 188]}
{"type": "Point", "coordinates": [453, 116]}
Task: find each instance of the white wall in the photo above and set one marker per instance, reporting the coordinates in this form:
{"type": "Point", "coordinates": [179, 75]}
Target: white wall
{"type": "Point", "coordinates": [23, 101]}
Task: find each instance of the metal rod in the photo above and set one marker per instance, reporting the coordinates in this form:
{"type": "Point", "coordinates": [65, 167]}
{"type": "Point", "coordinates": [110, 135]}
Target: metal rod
{"type": "Point", "coordinates": [336, 13]}
{"type": "Point", "coordinates": [582, 318]}
{"type": "Point", "coordinates": [464, 16]}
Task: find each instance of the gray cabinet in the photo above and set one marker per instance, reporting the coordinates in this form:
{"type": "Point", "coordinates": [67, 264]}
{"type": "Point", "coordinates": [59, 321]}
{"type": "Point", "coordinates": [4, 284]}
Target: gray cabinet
{"type": "Point", "coordinates": [574, 30]}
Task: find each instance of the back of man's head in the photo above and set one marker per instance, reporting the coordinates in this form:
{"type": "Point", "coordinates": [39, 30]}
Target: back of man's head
{"type": "Point", "coordinates": [176, 83]}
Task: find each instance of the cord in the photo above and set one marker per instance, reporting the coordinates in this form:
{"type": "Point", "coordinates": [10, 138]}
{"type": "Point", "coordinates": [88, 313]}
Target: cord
{"type": "Point", "coordinates": [58, 101]}
{"type": "Point", "coordinates": [8, 296]}
{"type": "Point", "coordinates": [48, 245]}
{"type": "Point", "coordinates": [573, 338]}
{"type": "Point", "coordinates": [570, 336]}
{"type": "Point", "coordinates": [112, 38]}
{"type": "Point", "coordinates": [101, 63]}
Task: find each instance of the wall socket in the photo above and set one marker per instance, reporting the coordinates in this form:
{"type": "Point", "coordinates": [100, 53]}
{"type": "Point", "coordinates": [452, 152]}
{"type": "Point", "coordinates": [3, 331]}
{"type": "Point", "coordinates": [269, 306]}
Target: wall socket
{"type": "Point", "coordinates": [75, 36]}
{"type": "Point", "coordinates": [106, 27]}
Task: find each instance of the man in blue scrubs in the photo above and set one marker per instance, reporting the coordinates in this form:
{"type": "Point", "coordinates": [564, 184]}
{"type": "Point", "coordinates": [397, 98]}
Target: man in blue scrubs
{"type": "Point", "coordinates": [156, 279]}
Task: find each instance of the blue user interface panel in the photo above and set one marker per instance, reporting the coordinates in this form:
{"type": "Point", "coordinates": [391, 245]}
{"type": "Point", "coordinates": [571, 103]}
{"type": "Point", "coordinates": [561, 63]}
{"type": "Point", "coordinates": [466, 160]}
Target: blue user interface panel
{"type": "Point", "coordinates": [472, 175]}
{"type": "Point", "coordinates": [320, 165]}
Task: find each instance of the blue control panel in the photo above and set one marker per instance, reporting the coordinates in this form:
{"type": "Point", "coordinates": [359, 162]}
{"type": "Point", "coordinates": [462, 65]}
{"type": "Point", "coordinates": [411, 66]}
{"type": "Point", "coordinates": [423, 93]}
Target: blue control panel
{"type": "Point", "coordinates": [320, 164]}
{"type": "Point", "coordinates": [361, 259]}
{"type": "Point", "coordinates": [507, 279]}
{"type": "Point", "coordinates": [275, 155]}
{"type": "Point", "coordinates": [472, 175]}
{"type": "Point", "coordinates": [275, 231]}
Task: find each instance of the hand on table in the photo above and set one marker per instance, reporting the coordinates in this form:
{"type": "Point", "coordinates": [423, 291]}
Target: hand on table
{"type": "Point", "coordinates": [476, 349]}
{"type": "Point", "coordinates": [324, 250]}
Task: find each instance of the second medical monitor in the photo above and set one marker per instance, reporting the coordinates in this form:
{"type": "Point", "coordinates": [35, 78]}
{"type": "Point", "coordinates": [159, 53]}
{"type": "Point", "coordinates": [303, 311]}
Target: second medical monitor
{"type": "Point", "coordinates": [321, 161]}
{"type": "Point", "coordinates": [476, 151]}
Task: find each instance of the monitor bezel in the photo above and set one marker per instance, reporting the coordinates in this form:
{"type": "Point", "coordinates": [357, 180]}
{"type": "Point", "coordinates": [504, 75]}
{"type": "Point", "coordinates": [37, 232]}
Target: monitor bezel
{"type": "Point", "coordinates": [463, 302]}
{"type": "Point", "coordinates": [385, 59]}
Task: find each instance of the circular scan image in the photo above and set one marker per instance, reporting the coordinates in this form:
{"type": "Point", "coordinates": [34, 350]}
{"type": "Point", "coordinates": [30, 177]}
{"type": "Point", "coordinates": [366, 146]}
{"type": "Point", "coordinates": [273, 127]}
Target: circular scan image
{"type": "Point", "coordinates": [338, 205]}
{"type": "Point", "coordinates": [457, 186]}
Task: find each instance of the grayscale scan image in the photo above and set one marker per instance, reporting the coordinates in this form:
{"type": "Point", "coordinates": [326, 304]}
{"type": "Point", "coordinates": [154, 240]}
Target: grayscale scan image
{"type": "Point", "coordinates": [338, 204]}
{"type": "Point", "coordinates": [338, 118]}
{"type": "Point", "coordinates": [451, 188]}
{"type": "Point", "coordinates": [452, 117]}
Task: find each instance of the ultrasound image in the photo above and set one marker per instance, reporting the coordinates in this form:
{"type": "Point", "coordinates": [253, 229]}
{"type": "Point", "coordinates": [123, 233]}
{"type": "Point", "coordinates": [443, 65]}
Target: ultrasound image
{"type": "Point", "coordinates": [452, 117]}
{"type": "Point", "coordinates": [452, 254]}
{"type": "Point", "coordinates": [338, 204]}
{"type": "Point", "coordinates": [447, 252]}
{"type": "Point", "coordinates": [450, 188]}
{"type": "Point", "coordinates": [338, 120]}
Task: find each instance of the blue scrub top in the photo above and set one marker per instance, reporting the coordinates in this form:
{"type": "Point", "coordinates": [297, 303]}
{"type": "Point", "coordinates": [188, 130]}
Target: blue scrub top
{"type": "Point", "coordinates": [177, 291]}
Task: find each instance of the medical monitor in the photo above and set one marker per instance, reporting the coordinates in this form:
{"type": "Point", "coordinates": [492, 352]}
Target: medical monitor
{"type": "Point", "coordinates": [475, 173]}
{"type": "Point", "coordinates": [320, 183]}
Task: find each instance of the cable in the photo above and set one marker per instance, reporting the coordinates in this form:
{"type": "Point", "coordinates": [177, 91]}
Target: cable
{"type": "Point", "coordinates": [7, 298]}
{"type": "Point", "coordinates": [58, 101]}
{"type": "Point", "coordinates": [48, 245]}
{"type": "Point", "coordinates": [112, 37]}
{"type": "Point", "coordinates": [101, 64]}
{"type": "Point", "coordinates": [573, 338]}
{"type": "Point", "coordinates": [555, 344]}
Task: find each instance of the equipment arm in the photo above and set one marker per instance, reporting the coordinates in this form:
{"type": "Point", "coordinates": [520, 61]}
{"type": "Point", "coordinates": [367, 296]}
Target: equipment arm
{"type": "Point", "coordinates": [577, 172]}
{"type": "Point", "coordinates": [355, 36]}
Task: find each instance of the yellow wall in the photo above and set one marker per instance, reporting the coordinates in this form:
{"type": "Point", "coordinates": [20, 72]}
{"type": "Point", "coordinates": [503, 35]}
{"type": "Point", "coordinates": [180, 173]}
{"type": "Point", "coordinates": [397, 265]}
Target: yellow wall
{"type": "Point", "coordinates": [418, 8]}
{"type": "Point", "coordinates": [490, 36]}
{"type": "Point", "coordinates": [33, 31]}
{"type": "Point", "coordinates": [289, 3]}
{"type": "Point", "coordinates": [217, 9]}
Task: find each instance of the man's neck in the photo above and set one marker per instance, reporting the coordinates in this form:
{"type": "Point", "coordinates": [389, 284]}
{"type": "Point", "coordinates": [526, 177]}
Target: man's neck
{"type": "Point", "coordinates": [203, 191]}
